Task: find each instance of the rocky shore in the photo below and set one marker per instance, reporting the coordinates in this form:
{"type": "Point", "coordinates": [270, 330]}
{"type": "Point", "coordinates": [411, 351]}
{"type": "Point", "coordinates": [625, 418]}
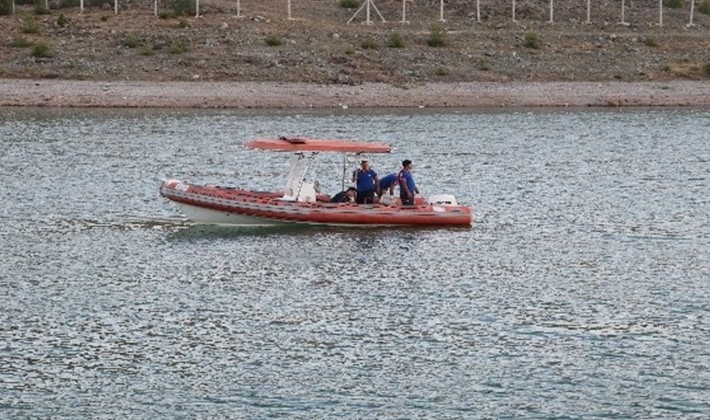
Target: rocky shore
{"type": "Point", "coordinates": [262, 59]}
{"type": "Point", "coordinates": [175, 94]}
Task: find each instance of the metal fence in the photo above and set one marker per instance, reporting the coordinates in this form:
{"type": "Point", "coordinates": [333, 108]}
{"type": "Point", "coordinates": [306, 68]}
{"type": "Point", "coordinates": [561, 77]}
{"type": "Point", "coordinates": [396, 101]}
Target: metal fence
{"type": "Point", "coordinates": [368, 11]}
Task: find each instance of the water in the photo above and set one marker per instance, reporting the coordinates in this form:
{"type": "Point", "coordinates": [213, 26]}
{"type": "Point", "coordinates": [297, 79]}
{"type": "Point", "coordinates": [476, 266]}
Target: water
{"type": "Point", "coordinates": [581, 292]}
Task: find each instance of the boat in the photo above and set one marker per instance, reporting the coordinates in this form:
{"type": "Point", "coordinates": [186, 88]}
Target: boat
{"type": "Point", "coordinates": [301, 202]}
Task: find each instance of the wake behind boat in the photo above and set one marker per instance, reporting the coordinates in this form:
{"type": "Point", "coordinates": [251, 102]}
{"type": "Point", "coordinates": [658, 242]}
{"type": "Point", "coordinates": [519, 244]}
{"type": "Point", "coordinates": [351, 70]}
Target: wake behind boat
{"type": "Point", "coordinates": [299, 201]}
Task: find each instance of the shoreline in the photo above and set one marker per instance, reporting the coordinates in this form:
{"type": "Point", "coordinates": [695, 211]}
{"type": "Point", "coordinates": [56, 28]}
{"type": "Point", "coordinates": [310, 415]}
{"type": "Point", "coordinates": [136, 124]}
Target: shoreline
{"type": "Point", "coordinates": [263, 95]}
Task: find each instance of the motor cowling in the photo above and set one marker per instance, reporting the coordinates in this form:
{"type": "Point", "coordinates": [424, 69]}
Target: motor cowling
{"type": "Point", "coordinates": [442, 200]}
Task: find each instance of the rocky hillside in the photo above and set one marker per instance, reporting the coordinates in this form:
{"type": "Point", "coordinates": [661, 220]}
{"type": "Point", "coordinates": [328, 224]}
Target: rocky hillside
{"type": "Point", "coordinates": [316, 44]}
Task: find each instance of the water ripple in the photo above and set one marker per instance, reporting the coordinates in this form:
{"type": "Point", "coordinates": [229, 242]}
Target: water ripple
{"type": "Point", "coordinates": [581, 291]}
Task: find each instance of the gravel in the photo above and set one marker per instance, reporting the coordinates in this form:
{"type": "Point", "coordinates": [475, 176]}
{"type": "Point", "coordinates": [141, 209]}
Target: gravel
{"type": "Point", "coordinates": [176, 94]}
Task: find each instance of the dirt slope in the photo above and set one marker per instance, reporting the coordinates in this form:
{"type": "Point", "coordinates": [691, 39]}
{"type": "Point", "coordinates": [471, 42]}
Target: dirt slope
{"type": "Point", "coordinates": [317, 45]}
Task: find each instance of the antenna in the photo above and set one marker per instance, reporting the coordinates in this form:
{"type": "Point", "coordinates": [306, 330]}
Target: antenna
{"type": "Point", "coordinates": [366, 6]}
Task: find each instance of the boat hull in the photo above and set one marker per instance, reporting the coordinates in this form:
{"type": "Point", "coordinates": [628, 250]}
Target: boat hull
{"type": "Point", "coordinates": [205, 204]}
{"type": "Point", "coordinates": [206, 216]}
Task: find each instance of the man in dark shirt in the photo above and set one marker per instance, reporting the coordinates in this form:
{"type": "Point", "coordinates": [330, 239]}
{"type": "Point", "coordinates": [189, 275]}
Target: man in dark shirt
{"type": "Point", "coordinates": [347, 196]}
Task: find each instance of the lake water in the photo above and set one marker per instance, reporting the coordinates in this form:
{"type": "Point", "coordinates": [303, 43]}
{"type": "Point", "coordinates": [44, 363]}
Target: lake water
{"type": "Point", "coordinates": [582, 291]}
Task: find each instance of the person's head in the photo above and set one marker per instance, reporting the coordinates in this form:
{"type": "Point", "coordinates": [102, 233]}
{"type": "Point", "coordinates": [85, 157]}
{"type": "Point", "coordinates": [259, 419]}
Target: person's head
{"type": "Point", "coordinates": [407, 164]}
{"type": "Point", "coordinates": [365, 164]}
{"type": "Point", "coordinates": [351, 193]}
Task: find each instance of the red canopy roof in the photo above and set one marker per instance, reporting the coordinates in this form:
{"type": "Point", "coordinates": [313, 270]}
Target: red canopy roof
{"type": "Point", "coordinates": [299, 144]}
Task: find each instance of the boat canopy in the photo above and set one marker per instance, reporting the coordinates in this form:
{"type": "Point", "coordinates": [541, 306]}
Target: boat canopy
{"type": "Point", "coordinates": [301, 144]}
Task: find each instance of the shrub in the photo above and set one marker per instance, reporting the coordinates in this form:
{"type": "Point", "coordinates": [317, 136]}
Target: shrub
{"type": "Point", "coordinates": [441, 71]}
{"type": "Point", "coordinates": [184, 24]}
{"type": "Point", "coordinates": [5, 7]}
{"type": "Point", "coordinates": [29, 26]}
{"type": "Point", "coordinates": [673, 4]}
{"type": "Point", "coordinates": [706, 69]}
{"type": "Point", "coordinates": [177, 47]}
{"type": "Point", "coordinates": [395, 40]}
{"type": "Point", "coordinates": [147, 50]}
{"type": "Point", "coordinates": [19, 42]}
{"type": "Point", "coordinates": [650, 41]}
{"type": "Point", "coordinates": [369, 44]}
{"type": "Point", "coordinates": [104, 18]}
{"type": "Point", "coordinates": [705, 7]}
{"type": "Point", "coordinates": [183, 7]}
{"type": "Point", "coordinates": [349, 4]}
{"type": "Point", "coordinates": [41, 50]}
{"type": "Point", "coordinates": [437, 37]}
{"type": "Point", "coordinates": [484, 66]}
{"type": "Point", "coordinates": [41, 7]}
{"type": "Point", "coordinates": [349, 50]}
{"type": "Point", "coordinates": [167, 14]}
{"type": "Point", "coordinates": [531, 40]}
{"type": "Point", "coordinates": [273, 41]}
{"type": "Point", "coordinates": [62, 20]}
{"type": "Point", "coordinates": [131, 41]}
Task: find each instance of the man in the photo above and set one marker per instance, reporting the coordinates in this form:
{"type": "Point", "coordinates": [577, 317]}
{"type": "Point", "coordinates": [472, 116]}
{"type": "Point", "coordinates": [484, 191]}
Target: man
{"type": "Point", "coordinates": [407, 186]}
{"type": "Point", "coordinates": [388, 182]}
{"type": "Point", "coordinates": [366, 182]}
{"type": "Point", "coordinates": [347, 196]}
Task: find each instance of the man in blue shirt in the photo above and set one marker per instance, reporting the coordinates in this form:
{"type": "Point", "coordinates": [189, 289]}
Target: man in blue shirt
{"type": "Point", "coordinates": [367, 183]}
{"type": "Point", "coordinates": [407, 186]}
{"type": "Point", "coordinates": [388, 182]}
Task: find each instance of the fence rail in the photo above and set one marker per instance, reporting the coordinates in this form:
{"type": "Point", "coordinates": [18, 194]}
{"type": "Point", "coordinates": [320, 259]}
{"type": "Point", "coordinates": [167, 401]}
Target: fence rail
{"type": "Point", "coordinates": [398, 10]}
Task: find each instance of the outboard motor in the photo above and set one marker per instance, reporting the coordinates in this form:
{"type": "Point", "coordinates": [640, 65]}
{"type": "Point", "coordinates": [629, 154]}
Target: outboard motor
{"type": "Point", "coordinates": [442, 200]}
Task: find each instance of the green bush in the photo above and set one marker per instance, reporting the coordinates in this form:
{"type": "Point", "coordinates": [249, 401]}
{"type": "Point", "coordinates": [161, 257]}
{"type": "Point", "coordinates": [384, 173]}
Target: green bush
{"type": "Point", "coordinates": [68, 4]}
{"type": "Point", "coordinates": [104, 18]}
{"type": "Point", "coordinates": [41, 50]}
{"type": "Point", "coordinates": [184, 24]}
{"type": "Point", "coordinates": [273, 41]}
{"type": "Point", "coordinates": [19, 42]}
{"type": "Point", "coordinates": [395, 40]}
{"type": "Point", "coordinates": [183, 7]}
{"type": "Point", "coordinates": [29, 26]}
{"type": "Point", "coordinates": [41, 7]}
{"type": "Point", "coordinates": [705, 7]}
{"type": "Point", "coordinates": [531, 40]}
{"type": "Point", "coordinates": [62, 20]}
{"type": "Point", "coordinates": [673, 4]}
{"type": "Point", "coordinates": [131, 41]}
{"type": "Point", "coordinates": [349, 4]}
{"type": "Point", "coordinates": [147, 50]}
{"type": "Point", "coordinates": [442, 71]}
{"type": "Point", "coordinates": [167, 14]}
{"type": "Point", "coordinates": [706, 69]}
{"type": "Point", "coordinates": [369, 44]}
{"type": "Point", "coordinates": [484, 66]}
{"type": "Point", "coordinates": [5, 7]}
{"type": "Point", "coordinates": [650, 41]}
{"type": "Point", "coordinates": [177, 47]}
{"type": "Point", "coordinates": [437, 37]}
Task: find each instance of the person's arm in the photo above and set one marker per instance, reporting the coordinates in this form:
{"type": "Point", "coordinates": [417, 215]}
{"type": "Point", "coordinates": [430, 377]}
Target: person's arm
{"type": "Point", "coordinates": [377, 186]}
{"type": "Point", "coordinates": [403, 185]}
